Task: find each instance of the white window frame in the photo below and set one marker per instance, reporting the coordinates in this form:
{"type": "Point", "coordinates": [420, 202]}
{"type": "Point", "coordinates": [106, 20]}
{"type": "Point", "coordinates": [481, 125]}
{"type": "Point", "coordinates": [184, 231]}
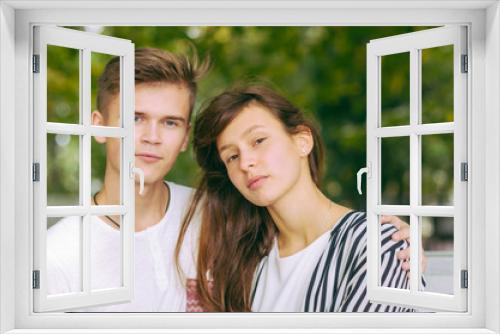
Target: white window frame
{"type": "Point", "coordinates": [17, 17]}
{"type": "Point", "coordinates": [413, 44]}
{"type": "Point", "coordinates": [85, 43]}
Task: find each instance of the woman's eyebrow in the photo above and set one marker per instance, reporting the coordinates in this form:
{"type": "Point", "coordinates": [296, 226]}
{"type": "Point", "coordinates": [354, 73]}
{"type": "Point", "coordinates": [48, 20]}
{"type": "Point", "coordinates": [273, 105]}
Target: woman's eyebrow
{"type": "Point", "coordinates": [246, 132]}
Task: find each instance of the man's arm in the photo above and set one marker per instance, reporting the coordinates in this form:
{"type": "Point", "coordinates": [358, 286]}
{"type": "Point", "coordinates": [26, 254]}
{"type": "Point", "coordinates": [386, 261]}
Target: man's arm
{"type": "Point", "coordinates": [403, 233]}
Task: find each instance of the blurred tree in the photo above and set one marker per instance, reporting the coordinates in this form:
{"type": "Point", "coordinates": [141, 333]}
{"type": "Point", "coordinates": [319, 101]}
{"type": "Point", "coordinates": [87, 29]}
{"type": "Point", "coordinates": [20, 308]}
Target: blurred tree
{"type": "Point", "coordinates": [321, 70]}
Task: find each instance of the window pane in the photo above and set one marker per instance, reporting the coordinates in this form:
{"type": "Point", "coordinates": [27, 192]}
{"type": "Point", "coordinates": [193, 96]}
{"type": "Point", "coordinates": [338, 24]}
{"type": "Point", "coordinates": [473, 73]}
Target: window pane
{"type": "Point", "coordinates": [395, 170]}
{"type": "Point", "coordinates": [63, 85]}
{"type": "Point", "coordinates": [63, 166]}
{"type": "Point", "coordinates": [109, 97]}
{"type": "Point", "coordinates": [64, 255]}
{"type": "Point", "coordinates": [437, 84]}
{"type": "Point", "coordinates": [437, 169]}
{"type": "Point", "coordinates": [395, 85]}
{"type": "Point", "coordinates": [106, 258]}
{"type": "Point", "coordinates": [391, 273]}
{"type": "Point", "coordinates": [105, 159]}
{"type": "Point", "coordinates": [437, 240]}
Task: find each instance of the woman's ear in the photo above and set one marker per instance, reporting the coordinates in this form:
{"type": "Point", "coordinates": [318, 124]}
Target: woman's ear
{"type": "Point", "coordinates": [98, 119]}
{"type": "Point", "coordinates": [304, 140]}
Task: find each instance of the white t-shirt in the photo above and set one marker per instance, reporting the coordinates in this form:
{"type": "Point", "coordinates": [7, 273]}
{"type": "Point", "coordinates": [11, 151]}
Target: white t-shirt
{"type": "Point", "coordinates": [157, 285]}
{"type": "Point", "coordinates": [284, 281]}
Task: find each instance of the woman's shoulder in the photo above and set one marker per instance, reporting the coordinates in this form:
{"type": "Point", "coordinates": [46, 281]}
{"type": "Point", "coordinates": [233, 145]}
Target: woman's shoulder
{"type": "Point", "coordinates": [350, 222]}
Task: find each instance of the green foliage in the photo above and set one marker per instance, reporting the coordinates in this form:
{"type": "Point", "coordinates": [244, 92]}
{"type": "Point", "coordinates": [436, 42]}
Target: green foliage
{"type": "Point", "coordinates": [320, 69]}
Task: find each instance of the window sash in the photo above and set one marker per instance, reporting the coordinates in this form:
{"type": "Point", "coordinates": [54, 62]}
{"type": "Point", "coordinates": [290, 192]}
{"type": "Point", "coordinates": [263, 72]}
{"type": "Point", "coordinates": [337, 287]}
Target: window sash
{"type": "Point", "coordinates": [86, 43]}
{"type": "Point", "coordinates": [413, 43]}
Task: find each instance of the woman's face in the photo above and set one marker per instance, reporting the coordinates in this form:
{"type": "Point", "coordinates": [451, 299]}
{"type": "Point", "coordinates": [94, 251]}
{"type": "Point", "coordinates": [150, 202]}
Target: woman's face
{"type": "Point", "coordinates": [262, 159]}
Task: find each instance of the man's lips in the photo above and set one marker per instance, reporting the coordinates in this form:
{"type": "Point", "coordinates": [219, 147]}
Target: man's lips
{"type": "Point", "coordinates": [148, 157]}
{"type": "Point", "coordinates": [256, 182]}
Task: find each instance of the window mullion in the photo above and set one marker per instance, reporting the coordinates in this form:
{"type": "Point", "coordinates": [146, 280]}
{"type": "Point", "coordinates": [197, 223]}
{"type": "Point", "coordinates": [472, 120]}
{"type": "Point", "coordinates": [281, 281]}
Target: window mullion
{"type": "Point", "coordinates": [415, 165]}
{"type": "Point", "coordinates": [85, 182]}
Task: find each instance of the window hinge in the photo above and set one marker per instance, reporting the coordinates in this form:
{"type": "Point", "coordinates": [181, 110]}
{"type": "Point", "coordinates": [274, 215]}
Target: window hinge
{"type": "Point", "coordinates": [465, 65]}
{"type": "Point", "coordinates": [36, 172]}
{"type": "Point", "coordinates": [36, 279]}
{"type": "Point", "coordinates": [464, 171]}
{"type": "Point", "coordinates": [36, 63]}
{"type": "Point", "coordinates": [464, 280]}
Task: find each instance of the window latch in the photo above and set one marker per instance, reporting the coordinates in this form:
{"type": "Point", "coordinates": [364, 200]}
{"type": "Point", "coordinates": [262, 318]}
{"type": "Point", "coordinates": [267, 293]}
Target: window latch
{"type": "Point", "coordinates": [135, 170]}
{"type": "Point", "coordinates": [360, 173]}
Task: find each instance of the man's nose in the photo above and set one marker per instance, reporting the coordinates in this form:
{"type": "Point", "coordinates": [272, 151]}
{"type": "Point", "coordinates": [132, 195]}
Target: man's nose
{"type": "Point", "coordinates": [151, 133]}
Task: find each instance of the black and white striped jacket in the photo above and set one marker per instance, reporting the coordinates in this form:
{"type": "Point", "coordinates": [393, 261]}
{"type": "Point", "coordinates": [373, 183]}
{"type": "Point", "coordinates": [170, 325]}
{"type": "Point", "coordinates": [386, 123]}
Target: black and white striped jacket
{"type": "Point", "coordinates": [339, 280]}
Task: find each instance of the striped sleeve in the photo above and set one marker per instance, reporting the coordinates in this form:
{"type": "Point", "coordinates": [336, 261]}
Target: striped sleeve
{"type": "Point", "coordinates": [339, 281]}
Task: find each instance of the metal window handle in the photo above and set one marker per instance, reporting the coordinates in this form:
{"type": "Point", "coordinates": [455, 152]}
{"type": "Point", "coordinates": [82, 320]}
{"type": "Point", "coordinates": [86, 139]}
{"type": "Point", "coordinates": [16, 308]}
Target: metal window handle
{"type": "Point", "coordinates": [359, 175]}
{"type": "Point", "coordinates": [135, 170]}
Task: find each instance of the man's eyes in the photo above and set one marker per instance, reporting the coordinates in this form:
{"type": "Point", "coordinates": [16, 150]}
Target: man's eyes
{"type": "Point", "coordinates": [171, 123]}
{"type": "Point", "coordinates": [168, 123]}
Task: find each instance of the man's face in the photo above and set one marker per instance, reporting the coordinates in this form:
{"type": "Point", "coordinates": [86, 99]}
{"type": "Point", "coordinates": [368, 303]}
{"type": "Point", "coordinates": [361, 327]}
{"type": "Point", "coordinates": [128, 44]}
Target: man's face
{"type": "Point", "coordinates": [161, 128]}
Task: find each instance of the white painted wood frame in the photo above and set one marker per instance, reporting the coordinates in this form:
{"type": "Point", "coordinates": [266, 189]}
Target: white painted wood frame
{"type": "Point", "coordinates": [483, 122]}
{"type": "Point", "coordinates": [414, 44]}
{"type": "Point", "coordinates": [85, 43]}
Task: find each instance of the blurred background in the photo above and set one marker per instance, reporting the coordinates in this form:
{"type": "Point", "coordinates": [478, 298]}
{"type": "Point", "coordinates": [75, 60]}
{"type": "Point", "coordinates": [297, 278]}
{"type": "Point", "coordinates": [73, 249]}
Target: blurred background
{"type": "Point", "coordinates": [322, 70]}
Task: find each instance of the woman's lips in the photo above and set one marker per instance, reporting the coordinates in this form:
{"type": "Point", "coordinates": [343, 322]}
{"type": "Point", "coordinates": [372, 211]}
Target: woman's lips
{"type": "Point", "coordinates": [256, 182]}
{"type": "Point", "coordinates": [148, 157]}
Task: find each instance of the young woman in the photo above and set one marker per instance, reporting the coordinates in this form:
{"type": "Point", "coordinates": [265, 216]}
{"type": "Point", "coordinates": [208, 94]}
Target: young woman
{"type": "Point", "coordinates": [270, 240]}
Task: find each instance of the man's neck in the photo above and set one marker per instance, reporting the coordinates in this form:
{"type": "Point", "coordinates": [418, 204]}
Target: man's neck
{"type": "Point", "coordinates": [150, 207]}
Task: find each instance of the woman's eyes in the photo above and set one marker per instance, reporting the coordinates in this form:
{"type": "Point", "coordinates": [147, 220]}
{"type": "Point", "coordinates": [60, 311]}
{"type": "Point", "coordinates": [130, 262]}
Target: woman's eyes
{"type": "Point", "coordinates": [232, 158]}
{"type": "Point", "coordinates": [255, 142]}
{"type": "Point", "coordinates": [260, 140]}
{"type": "Point", "coordinates": [137, 118]}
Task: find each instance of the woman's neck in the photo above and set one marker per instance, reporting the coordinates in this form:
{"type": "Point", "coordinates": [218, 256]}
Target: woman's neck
{"type": "Point", "coordinates": [302, 215]}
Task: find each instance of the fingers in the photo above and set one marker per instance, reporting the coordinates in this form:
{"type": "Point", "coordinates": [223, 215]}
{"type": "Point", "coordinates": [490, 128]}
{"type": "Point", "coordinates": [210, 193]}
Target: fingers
{"type": "Point", "coordinates": [394, 220]}
{"type": "Point", "coordinates": [404, 254]}
{"type": "Point", "coordinates": [403, 234]}
{"type": "Point", "coordinates": [404, 257]}
{"type": "Point", "coordinates": [405, 266]}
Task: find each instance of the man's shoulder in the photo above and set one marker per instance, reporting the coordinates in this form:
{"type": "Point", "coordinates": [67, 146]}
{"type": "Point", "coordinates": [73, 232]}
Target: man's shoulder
{"type": "Point", "coordinates": [65, 225]}
{"type": "Point", "coordinates": [180, 190]}
{"type": "Point", "coordinates": [64, 236]}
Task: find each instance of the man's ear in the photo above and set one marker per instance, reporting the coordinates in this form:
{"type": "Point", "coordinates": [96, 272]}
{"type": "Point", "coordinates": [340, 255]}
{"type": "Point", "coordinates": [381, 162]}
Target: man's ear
{"type": "Point", "coordinates": [186, 139]}
{"type": "Point", "coordinates": [98, 119]}
{"type": "Point", "coordinates": [304, 140]}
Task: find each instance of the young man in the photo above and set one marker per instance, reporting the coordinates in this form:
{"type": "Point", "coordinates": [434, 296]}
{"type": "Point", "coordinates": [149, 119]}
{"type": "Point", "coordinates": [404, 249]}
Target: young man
{"type": "Point", "coordinates": [165, 93]}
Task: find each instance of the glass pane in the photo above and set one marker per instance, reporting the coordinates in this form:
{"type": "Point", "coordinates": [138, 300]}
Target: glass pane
{"type": "Point", "coordinates": [106, 258]}
{"type": "Point", "coordinates": [391, 272]}
{"type": "Point", "coordinates": [437, 240]}
{"type": "Point", "coordinates": [437, 84]}
{"type": "Point", "coordinates": [64, 255]}
{"type": "Point", "coordinates": [395, 82]}
{"type": "Point", "coordinates": [63, 84]}
{"type": "Point", "coordinates": [437, 169]}
{"type": "Point", "coordinates": [395, 170]}
{"type": "Point", "coordinates": [105, 89]}
{"type": "Point", "coordinates": [106, 169]}
{"type": "Point", "coordinates": [63, 169]}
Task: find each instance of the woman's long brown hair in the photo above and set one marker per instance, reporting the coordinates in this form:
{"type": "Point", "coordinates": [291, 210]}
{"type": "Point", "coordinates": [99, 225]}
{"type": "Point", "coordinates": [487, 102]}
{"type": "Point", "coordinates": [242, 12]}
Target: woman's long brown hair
{"type": "Point", "coordinates": [235, 234]}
